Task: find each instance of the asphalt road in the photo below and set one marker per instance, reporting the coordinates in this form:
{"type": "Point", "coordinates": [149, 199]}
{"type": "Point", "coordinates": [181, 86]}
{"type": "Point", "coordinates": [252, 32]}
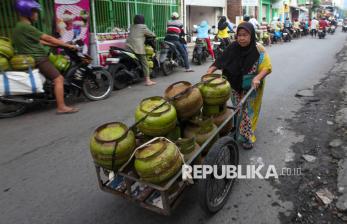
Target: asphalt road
{"type": "Point", "coordinates": [47, 174]}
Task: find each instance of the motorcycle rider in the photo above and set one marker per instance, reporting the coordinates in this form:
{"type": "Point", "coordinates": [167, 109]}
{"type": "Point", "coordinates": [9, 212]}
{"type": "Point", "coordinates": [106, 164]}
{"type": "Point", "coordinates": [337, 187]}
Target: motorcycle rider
{"type": "Point", "coordinates": [256, 26]}
{"type": "Point", "coordinates": [314, 24]}
{"type": "Point", "coordinates": [264, 22]}
{"type": "Point", "coordinates": [333, 22]}
{"type": "Point", "coordinates": [279, 24]}
{"type": "Point", "coordinates": [224, 30]}
{"type": "Point", "coordinates": [136, 42]}
{"type": "Point", "coordinates": [29, 40]}
{"type": "Point", "coordinates": [288, 26]}
{"type": "Point", "coordinates": [264, 26]}
{"type": "Point", "coordinates": [323, 24]}
{"type": "Point", "coordinates": [304, 26]}
{"type": "Point", "coordinates": [254, 22]}
{"type": "Point", "coordinates": [203, 30]}
{"type": "Point", "coordinates": [276, 27]}
{"type": "Point", "coordinates": [296, 25]}
{"type": "Point", "coordinates": [173, 34]}
{"type": "Point", "coordinates": [274, 24]}
{"type": "Point", "coordinates": [246, 18]}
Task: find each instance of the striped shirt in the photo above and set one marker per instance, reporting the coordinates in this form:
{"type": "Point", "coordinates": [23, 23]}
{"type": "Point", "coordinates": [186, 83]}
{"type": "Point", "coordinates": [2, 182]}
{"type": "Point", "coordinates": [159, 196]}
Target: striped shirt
{"type": "Point", "coordinates": [174, 29]}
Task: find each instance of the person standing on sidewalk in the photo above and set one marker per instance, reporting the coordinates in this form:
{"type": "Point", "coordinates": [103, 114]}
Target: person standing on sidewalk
{"type": "Point", "coordinates": [245, 63]}
{"type": "Point", "coordinates": [136, 42]}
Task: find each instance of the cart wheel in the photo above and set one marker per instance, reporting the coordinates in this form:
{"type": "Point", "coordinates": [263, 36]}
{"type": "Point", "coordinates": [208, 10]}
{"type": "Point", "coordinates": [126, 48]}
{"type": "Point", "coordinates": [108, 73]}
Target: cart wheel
{"type": "Point", "coordinates": [214, 193]}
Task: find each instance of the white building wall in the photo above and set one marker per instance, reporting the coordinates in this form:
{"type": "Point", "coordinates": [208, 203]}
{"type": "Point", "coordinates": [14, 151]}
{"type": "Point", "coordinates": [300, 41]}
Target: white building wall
{"type": "Point", "coordinates": [211, 3]}
{"type": "Point", "coordinates": [338, 3]}
{"type": "Point", "coordinates": [199, 13]}
{"type": "Point", "coordinates": [195, 11]}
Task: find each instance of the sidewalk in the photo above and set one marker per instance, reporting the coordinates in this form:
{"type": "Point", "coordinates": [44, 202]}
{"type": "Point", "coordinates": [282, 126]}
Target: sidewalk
{"type": "Point", "coordinates": [319, 194]}
{"type": "Point", "coordinates": [341, 121]}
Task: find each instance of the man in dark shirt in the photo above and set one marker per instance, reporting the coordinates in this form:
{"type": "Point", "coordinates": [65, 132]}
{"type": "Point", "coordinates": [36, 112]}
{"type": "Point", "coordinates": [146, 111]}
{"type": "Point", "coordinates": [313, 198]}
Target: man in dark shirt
{"type": "Point", "coordinates": [29, 40]}
{"type": "Point", "coordinates": [174, 34]}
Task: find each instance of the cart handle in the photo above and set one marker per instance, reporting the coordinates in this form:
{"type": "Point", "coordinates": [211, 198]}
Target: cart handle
{"type": "Point", "coordinates": [243, 100]}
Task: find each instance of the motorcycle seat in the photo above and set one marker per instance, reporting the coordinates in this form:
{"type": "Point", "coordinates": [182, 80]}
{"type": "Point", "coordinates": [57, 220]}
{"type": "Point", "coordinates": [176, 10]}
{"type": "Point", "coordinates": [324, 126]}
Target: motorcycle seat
{"type": "Point", "coordinates": [121, 49]}
{"type": "Point", "coordinates": [169, 43]}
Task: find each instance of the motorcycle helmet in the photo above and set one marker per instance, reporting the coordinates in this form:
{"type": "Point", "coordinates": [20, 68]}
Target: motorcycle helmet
{"type": "Point", "coordinates": [246, 18]}
{"type": "Point", "coordinates": [175, 15]}
{"type": "Point", "coordinates": [25, 7]}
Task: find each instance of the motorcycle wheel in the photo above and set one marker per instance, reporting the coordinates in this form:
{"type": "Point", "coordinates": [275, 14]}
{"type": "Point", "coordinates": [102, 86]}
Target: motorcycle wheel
{"type": "Point", "coordinates": [218, 53]}
{"type": "Point", "coordinates": [154, 73]}
{"type": "Point", "coordinates": [11, 109]}
{"type": "Point", "coordinates": [167, 68]}
{"type": "Point", "coordinates": [116, 72]}
{"type": "Point", "coordinates": [98, 86]}
{"type": "Point", "coordinates": [156, 69]}
{"type": "Point", "coordinates": [206, 55]}
{"type": "Point", "coordinates": [194, 57]}
{"type": "Point", "coordinates": [199, 59]}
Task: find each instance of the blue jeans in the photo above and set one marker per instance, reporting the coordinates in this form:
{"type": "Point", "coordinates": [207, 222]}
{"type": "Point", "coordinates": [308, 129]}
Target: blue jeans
{"type": "Point", "coordinates": [180, 47]}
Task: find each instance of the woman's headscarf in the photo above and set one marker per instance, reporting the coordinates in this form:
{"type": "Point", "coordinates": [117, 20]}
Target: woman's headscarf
{"type": "Point", "coordinates": [139, 19]}
{"type": "Point", "coordinates": [222, 24]}
{"type": "Point", "coordinates": [237, 61]}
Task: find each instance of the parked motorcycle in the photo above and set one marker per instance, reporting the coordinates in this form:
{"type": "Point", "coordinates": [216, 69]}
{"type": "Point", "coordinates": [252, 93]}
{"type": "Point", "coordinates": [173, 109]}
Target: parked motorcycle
{"type": "Point", "coordinates": [297, 33]}
{"type": "Point", "coordinates": [276, 36]}
{"type": "Point", "coordinates": [321, 33]}
{"type": "Point", "coordinates": [344, 28]}
{"type": "Point", "coordinates": [332, 29]}
{"type": "Point", "coordinates": [80, 76]}
{"type": "Point", "coordinates": [219, 46]}
{"type": "Point", "coordinates": [200, 52]}
{"type": "Point", "coordinates": [286, 35]}
{"type": "Point", "coordinates": [125, 67]}
{"type": "Point", "coordinates": [265, 38]}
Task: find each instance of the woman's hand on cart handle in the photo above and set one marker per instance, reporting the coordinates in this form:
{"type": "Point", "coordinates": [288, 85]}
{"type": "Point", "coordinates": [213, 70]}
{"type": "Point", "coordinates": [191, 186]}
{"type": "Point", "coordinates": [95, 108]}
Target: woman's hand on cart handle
{"type": "Point", "coordinates": [256, 82]}
{"type": "Point", "coordinates": [211, 70]}
{"type": "Point", "coordinates": [257, 79]}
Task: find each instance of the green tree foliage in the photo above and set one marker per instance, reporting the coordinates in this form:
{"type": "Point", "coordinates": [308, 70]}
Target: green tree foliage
{"type": "Point", "coordinates": [315, 4]}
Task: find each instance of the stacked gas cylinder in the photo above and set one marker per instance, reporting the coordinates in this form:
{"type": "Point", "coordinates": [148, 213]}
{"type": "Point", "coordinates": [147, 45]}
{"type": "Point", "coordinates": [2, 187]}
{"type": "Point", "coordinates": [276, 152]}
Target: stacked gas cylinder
{"type": "Point", "coordinates": [9, 61]}
{"type": "Point", "coordinates": [168, 130]}
{"type": "Point", "coordinates": [216, 94]}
